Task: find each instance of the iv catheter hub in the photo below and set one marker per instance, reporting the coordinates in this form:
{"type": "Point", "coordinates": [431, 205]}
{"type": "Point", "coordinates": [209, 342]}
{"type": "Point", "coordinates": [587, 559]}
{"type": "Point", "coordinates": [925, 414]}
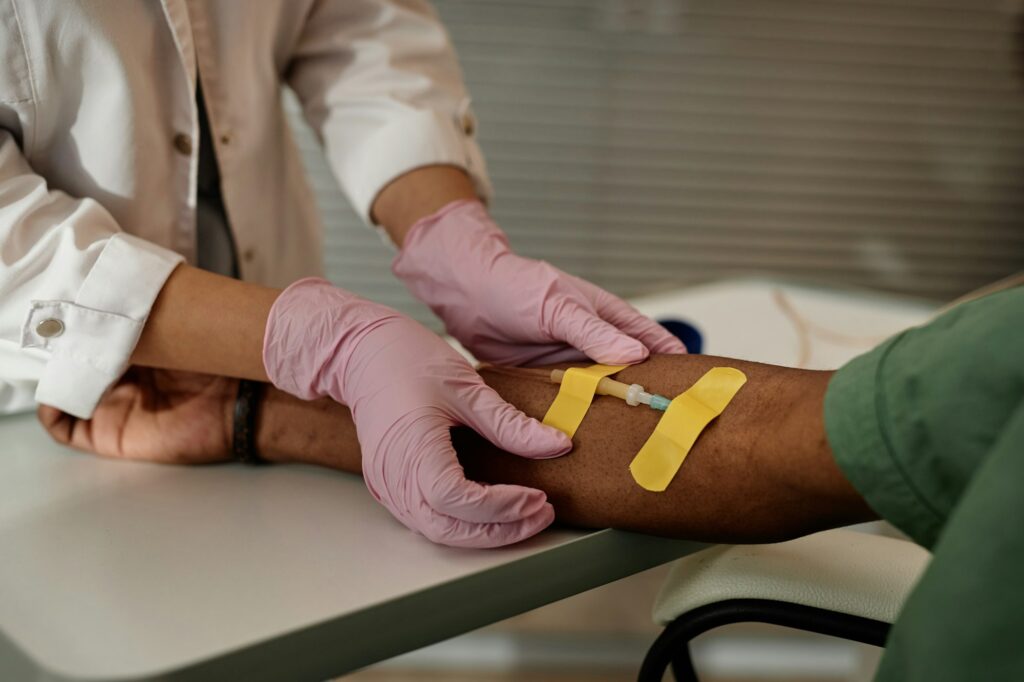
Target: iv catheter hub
{"type": "Point", "coordinates": [632, 394]}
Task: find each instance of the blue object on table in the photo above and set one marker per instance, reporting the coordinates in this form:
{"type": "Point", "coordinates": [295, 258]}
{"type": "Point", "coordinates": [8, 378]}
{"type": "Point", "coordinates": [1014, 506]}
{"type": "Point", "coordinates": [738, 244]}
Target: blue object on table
{"type": "Point", "coordinates": [686, 333]}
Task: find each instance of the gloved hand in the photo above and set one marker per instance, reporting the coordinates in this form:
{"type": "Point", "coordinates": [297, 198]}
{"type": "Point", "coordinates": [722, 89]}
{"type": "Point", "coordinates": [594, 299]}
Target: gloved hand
{"type": "Point", "coordinates": [406, 388]}
{"type": "Point", "coordinates": [511, 310]}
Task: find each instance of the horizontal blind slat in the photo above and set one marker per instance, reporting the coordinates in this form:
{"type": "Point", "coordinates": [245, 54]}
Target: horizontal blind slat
{"type": "Point", "coordinates": [874, 143]}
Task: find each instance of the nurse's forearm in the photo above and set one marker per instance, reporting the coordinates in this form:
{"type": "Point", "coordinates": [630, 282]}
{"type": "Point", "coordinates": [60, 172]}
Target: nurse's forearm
{"type": "Point", "coordinates": [202, 322]}
{"type": "Point", "coordinates": [417, 194]}
{"type": "Point", "coordinates": [763, 471]}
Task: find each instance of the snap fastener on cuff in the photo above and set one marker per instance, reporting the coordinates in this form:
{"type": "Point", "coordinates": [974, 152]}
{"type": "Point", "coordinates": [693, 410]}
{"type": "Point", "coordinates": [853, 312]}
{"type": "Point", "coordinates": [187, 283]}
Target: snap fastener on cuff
{"type": "Point", "coordinates": [49, 328]}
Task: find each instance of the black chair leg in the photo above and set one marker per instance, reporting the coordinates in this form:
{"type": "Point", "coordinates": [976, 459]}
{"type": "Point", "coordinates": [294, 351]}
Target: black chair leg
{"type": "Point", "coordinates": [672, 646]}
{"type": "Point", "coordinates": [682, 664]}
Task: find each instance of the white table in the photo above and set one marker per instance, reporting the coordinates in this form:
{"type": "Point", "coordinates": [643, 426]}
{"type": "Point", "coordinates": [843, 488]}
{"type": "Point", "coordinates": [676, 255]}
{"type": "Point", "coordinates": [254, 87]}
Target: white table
{"type": "Point", "coordinates": [125, 571]}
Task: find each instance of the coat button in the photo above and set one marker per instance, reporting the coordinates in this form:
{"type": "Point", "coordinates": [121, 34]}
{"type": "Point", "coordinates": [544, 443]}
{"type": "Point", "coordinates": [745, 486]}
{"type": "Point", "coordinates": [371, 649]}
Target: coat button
{"type": "Point", "coordinates": [183, 143]}
{"type": "Point", "coordinates": [49, 328]}
{"type": "Point", "coordinates": [249, 254]}
{"type": "Point", "coordinates": [468, 123]}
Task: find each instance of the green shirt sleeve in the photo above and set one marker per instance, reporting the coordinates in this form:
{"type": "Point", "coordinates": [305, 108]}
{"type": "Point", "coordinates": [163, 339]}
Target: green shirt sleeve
{"type": "Point", "coordinates": [911, 421]}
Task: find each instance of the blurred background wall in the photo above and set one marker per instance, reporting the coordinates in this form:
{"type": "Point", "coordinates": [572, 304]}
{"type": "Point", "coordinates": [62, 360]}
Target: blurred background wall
{"type": "Point", "coordinates": [649, 144]}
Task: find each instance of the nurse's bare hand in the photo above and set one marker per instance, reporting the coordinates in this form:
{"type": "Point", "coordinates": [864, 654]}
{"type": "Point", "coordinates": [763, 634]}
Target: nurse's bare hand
{"type": "Point", "coordinates": [153, 415]}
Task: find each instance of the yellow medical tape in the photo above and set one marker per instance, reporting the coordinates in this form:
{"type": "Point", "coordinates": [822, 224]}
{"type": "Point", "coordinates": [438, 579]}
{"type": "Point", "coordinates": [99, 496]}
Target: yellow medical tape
{"type": "Point", "coordinates": [575, 395]}
{"type": "Point", "coordinates": [659, 459]}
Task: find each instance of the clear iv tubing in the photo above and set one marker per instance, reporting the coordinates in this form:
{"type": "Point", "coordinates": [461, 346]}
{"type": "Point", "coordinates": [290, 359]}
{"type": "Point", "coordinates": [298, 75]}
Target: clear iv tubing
{"type": "Point", "coordinates": [633, 394]}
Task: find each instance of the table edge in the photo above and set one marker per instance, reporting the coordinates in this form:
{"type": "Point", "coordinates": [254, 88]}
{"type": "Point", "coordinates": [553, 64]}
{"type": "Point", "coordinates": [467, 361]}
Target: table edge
{"type": "Point", "coordinates": [458, 606]}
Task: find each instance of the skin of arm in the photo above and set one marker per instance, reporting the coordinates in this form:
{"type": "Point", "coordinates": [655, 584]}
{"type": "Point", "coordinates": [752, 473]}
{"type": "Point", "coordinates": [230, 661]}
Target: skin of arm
{"type": "Point", "coordinates": [761, 472]}
{"type": "Point", "coordinates": [203, 322]}
{"type": "Point", "coordinates": [418, 193]}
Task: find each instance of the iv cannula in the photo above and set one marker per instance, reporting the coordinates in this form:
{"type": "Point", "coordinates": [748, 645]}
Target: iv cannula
{"type": "Point", "coordinates": [633, 394]}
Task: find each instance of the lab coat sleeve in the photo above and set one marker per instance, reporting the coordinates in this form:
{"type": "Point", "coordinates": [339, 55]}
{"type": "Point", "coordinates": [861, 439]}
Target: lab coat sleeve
{"type": "Point", "coordinates": [65, 262]}
{"type": "Point", "coordinates": [380, 84]}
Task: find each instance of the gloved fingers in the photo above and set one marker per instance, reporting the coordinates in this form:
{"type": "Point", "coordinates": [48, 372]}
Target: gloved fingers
{"type": "Point", "coordinates": [453, 532]}
{"type": "Point", "coordinates": [554, 354]}
{"type": "Point", "coordinates": [447, 491]}
{"type": "Point", "coordinates": [631, 321]}
{"type": "Point", "coordinates": [601, 341]}
{"type": "Point", "coordinates": [481, 408]}
{"type": "Point", "coordinates": [527, 354]}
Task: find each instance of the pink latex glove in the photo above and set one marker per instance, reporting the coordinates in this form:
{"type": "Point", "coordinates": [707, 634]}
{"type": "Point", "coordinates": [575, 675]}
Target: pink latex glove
{"type": "Point", "coordinates": [511, 310]}
{"type": "Point", "coordinates": [406, 388]}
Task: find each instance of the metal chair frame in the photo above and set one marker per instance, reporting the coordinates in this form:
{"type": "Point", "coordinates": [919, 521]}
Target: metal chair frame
{"type": "Point", "coordinates": [673, 645]}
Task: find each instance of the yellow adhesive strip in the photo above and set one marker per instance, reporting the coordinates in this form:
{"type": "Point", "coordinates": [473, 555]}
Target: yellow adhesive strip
{"type": "Point", "coordinates": [690, 412]}
{"type": "Point", "coordinates": [575, 395]}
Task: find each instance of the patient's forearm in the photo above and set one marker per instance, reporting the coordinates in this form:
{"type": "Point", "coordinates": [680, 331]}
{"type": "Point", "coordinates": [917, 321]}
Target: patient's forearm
{"type": "Point", "coordinates": [761, 471]}
{"type": "Point", "coordinates": [292, 430]}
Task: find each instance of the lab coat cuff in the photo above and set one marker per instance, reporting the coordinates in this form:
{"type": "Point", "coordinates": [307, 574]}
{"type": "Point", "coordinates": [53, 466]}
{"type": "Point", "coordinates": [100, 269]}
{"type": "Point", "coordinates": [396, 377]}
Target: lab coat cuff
{"type": "Point", "coordinates": [90, 340]}
{"type": "Point", "coordinates": [414, 140]}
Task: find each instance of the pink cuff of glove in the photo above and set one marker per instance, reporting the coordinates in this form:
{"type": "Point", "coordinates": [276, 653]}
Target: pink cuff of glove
{"type": "Point", "coordinates": [297, 342]}
{"type": "Point", "coordinates": [417, 241]}
{"type": "Point", "coordinates": [445, 211]}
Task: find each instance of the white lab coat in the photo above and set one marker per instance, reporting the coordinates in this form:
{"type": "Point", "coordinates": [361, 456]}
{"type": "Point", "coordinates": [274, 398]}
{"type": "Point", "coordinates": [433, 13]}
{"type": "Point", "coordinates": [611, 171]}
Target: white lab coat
{"type": "Point", "coordinates": [99, 144]}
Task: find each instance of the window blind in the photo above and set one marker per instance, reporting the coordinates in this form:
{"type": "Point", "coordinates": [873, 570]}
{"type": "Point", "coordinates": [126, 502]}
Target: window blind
{"type": "Point", "coordinates": [650, 144]}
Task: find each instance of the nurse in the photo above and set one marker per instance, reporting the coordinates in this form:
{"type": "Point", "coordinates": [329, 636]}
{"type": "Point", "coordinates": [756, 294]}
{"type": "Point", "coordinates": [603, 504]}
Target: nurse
{"type": "Point", "coordinates": [153, 206]}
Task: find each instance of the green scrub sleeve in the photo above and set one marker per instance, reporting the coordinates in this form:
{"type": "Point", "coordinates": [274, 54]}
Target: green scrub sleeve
{"type": "Point", "coordinates": [911, 421]}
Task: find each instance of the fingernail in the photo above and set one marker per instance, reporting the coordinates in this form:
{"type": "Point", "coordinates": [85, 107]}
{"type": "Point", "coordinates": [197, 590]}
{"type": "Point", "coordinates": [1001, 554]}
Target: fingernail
{"type": "Point", "coordinates": [628, 354]}
{"type": "Point", "coordinates": [566, 445]}
{"type": "Point", "coordinates": [675, 346]}
{"type": "Point", "coordinates": [562, 443]}
{"type": "Point", "coordinates": [532, 502]}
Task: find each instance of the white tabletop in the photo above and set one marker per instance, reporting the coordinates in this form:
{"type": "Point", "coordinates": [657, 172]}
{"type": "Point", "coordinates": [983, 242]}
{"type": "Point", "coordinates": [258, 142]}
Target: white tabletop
{"type": "Point", "coordinates": [126, 571]}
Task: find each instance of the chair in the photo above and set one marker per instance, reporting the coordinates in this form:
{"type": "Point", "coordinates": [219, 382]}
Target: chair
{"type": "Point", "coordinates": [842, 583]}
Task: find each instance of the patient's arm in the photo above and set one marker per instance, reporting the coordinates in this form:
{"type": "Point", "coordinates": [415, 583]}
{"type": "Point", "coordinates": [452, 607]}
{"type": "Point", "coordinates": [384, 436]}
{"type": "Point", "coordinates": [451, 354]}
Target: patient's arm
{"type": "Point", "coordinates": [762, 471]}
